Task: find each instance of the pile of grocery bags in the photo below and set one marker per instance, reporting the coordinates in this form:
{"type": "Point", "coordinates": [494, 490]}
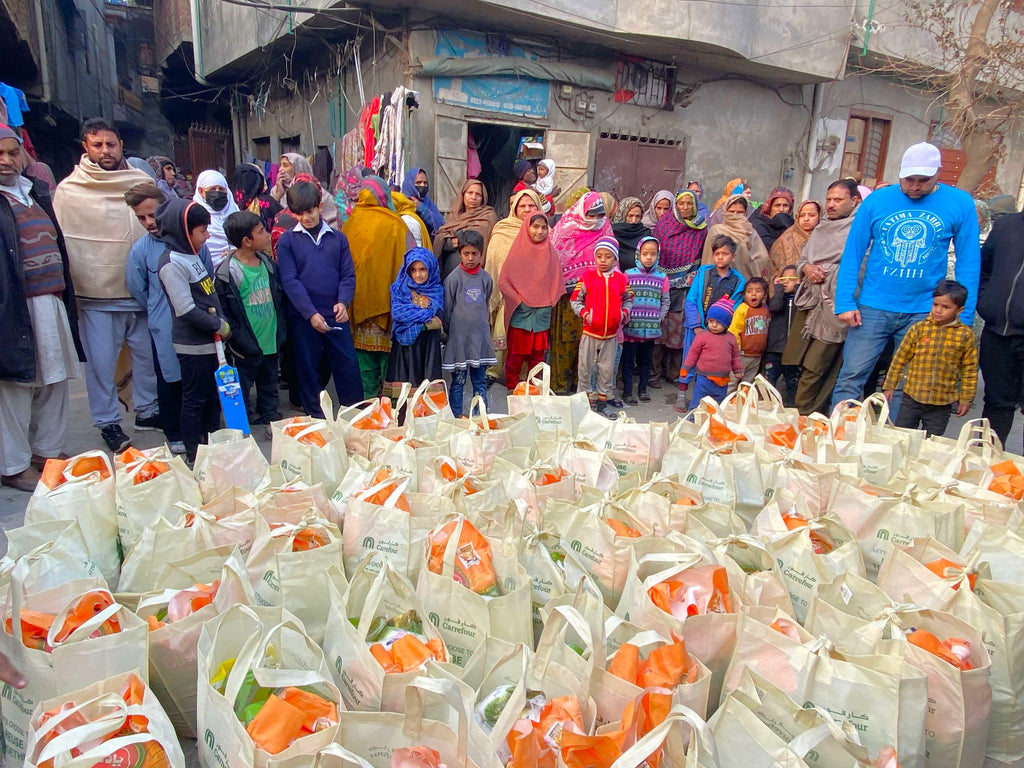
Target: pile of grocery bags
{"type": "Point", "coordinates": [397, 588]}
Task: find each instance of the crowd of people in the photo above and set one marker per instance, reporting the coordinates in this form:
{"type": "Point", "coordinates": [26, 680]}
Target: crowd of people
{"type": "Point", "coordinates": [311, 275]}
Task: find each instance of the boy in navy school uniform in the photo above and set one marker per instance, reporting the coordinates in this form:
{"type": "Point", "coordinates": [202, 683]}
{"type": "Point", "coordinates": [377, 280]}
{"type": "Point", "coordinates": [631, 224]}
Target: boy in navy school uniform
{"type": "Point", "coordinates": [316, 271]}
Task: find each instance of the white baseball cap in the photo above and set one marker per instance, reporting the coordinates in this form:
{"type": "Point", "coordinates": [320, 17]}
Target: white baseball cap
{"type": "Point", "coordinates": [922, 159]}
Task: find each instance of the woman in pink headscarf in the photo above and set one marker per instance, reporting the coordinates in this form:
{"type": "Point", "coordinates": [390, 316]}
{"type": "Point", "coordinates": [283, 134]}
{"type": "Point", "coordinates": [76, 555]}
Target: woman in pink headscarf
{"type": "Point", "coordinates": [574, 237]}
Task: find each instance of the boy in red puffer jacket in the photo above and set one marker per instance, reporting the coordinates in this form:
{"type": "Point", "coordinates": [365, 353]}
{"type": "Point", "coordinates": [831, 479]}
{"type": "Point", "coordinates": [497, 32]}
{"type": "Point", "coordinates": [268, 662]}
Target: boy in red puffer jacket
{"type": "Point", "coordinates": [602, 299]}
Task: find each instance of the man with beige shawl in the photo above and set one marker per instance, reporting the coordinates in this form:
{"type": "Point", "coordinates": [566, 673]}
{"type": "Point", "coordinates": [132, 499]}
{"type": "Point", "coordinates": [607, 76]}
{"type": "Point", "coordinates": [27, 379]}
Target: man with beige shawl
{"type": "Point", "coordinates": [816, 336]}
{"type": "Point", "coordinates": [100, 230]}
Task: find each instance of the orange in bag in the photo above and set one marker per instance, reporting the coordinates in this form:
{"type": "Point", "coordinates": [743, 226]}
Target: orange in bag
{"type": "Point", "coordinates": [188, 601]}
{"type": "Point", "coordinates": [947, 569]}
{"type": "Point", "coordinates": [35, 626]}
{"type": "Point", "coordinates": [150, 469]}
{"type": "Point", "coordinates": [439, 399]}
{"type": "Point", "coordinates": [787, 628]}
{"type": "Point", "coordinates": [954, 650]}
{"type": "Point", "coordinates": [621, 529]}
{"type": "Point", "coordinates": [473, 567]}
{"type": "Point", "coordinates": [406, 654]}
{"type": "Point", "coordinates": [531, 741]}
{"type": "Point", "coordinates": [379, 417]}
{"type": "Point", "coordinates": [720, 435]}
{"type": "Point", "coordinates": [550, 478]}
{"type": "Point", "coordinates": [309, 538]}
{"type": "Point", "coordinates": [582, 751]}
{"type": "Point", "coordinates": [314, 707]}
{"type": "Point", "coordinates": [525, 388]}
{"type": "Point", "coordinates": [783, 434]}
{"type": "Point", "coordinates": [625, 664]}
{"type": "Point", "coordinates": [381, 496]}
{"type": "Point", "coordinates": [276, 725]}
{"type": "Point", "coordinates": [820, 543]}
{"type": "Point", "coordinates": [652, 710]}
{"type": "Point", "coordinates": [887, 758]}
{"type": "Point", "coordinates": [696, 591]}
{"type": "Point", "coordinates": [54, 469]}
{"type": "Point", "coordinates": [148, 754]}
{"type": "Point", "coordinates": [296, 424]}
{"type": "Point", "coordinates": [666, 667]}
{"type": "Point", "coordinates": [1007, 480]}
{"type": "Point", "coordinates": [88, 606]}
{"type": "Point", "coordinates": [450, 470]}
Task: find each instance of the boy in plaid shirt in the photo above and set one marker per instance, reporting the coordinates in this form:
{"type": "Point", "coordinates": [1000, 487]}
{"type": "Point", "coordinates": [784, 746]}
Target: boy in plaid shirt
{"type": "Point", "coordinates": [940, 360]}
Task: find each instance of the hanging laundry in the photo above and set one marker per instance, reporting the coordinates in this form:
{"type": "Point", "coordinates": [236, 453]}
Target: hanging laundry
{"type": "Point", "coordinates": [14, 100]}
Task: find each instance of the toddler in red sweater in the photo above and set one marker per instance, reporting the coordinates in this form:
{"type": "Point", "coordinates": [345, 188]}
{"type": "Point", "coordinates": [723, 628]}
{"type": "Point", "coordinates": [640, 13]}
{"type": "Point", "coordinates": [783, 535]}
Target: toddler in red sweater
{"type": "Point", "coordinates": [713, 353]}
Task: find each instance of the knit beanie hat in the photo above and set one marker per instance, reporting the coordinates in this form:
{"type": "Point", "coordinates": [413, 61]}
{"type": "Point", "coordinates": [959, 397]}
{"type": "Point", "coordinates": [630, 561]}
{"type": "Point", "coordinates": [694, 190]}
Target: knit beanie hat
{"type": "Point", "coordinates": [610, 243]}
{"type": "Point", "coordinates": [721, 311]}
{"type": "Point", "coordinates": [520, 169]}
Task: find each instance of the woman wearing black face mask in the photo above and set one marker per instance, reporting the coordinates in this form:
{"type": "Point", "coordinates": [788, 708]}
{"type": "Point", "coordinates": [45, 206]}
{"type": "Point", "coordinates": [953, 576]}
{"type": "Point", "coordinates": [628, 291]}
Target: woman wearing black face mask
{"type": "Point", "coordinates": [774, 217]}
{"type": "Point", "coordinates": [213, 193]}
{"type": "Point", "coordinates": [416, 187]}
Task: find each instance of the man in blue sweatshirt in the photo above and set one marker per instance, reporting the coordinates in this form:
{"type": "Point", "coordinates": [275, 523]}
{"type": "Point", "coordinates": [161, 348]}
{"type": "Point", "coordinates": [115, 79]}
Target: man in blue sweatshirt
{"type": "Point", "coordinates": [896, 253]}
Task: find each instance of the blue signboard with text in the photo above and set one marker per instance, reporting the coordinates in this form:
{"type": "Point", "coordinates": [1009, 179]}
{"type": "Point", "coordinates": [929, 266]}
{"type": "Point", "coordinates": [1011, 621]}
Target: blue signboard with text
{"type": "Point", "coordinates": [508, 94]}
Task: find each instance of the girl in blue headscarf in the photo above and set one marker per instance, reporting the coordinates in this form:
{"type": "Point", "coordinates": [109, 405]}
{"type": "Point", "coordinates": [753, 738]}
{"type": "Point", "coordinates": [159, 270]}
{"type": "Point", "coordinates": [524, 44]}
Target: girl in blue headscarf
{"type": "Point", "coordinates": [417, 302]}
{"type": "Point", "coordinates": [416, 187]}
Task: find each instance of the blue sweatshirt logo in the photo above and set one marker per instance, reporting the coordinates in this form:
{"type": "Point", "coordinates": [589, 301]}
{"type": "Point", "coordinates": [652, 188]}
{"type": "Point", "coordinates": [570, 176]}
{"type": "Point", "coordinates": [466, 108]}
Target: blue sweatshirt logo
{"type": "Point", "coordinates": [908, 237]}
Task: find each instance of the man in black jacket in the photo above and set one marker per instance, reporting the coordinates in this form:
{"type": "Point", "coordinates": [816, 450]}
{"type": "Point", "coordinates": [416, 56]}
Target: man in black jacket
{"type": "Point", "coordinates": [1001, 305]}
{"type": "Point", "coordinates": [41, 349]}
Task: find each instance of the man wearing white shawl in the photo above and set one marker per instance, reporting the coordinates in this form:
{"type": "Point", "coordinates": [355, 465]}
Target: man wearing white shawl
{"type": "Point", "coordinates": [100, 231]}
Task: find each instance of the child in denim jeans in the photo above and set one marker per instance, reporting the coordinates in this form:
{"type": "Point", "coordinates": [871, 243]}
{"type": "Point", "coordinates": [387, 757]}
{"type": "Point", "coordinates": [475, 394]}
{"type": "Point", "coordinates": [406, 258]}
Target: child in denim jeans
{"type": "Point", "coordinates": [467, 296]}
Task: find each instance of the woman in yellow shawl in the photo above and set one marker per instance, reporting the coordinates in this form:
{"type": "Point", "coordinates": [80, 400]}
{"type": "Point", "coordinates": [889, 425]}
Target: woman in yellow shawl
{"type": "Point", "coordinates": [379, 239]}
{"type": "Point", "coordinates": [521, 205]}
{"type": "Point", "coordinates": [406, 208]}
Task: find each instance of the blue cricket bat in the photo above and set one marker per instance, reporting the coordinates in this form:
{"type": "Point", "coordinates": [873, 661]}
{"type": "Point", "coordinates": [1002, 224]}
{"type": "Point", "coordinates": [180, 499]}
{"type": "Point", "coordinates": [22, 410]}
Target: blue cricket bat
{"type": "Point", "coordinates": [230, 391]}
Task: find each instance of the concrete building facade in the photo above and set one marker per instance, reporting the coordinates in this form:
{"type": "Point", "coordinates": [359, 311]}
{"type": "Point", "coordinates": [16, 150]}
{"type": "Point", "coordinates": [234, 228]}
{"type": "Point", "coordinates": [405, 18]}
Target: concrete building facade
{"type": "Point", "coordinates": [625, 95]}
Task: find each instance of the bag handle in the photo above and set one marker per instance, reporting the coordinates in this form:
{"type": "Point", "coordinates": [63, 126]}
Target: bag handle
{"type": "Point", "coordinates": [316, 426]}
{"type": "Point", "coordinates": [447, 690]}
{"type": "Point", "coordinates": [161, 454]}
{"type": "Point", "coordinates": [478, 409]}
{"type": "Point", "coordinates": [767, 392]}
{"type": "Point", "coordinates": [88, 477]}
{"type": "Point", "coordinates": [87, 627]}
{"type": "Point", "coordinates": [335, 750]}
{"type": "Point", "coordinates": [540, 375]}
{"type": "Point", "coordinates": [266, 676]}
{"type": "Point", "coordinates": [655, 738]}
{"type": "Point", "coordinates": [391, 500]}
{"type": "Point", "coordinates": [374, 594]}
{"type": "Point", "coordinates": [94, 728]}
{"type": "Point", "coordinates": [96, 755]}
{"type": "Point", "coordinates": [553, 628]}
{"type": "Point", "coordinates": [419, 396]}
{"type": "Point", "coordinates": [978, 429]}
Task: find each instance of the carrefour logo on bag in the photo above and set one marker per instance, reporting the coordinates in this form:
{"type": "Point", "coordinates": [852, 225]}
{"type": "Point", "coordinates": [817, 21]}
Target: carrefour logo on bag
{"type": "Point", "coordinates": [369, 543]}
{"type": "Point", "coordinates": [576, 546]}
{"type": "Point", "coordinates": [691, 479]}
{"type": "Point", "coordinates": [510, 584]}
{"type": "Point", "coordinates": [211, 742]}
{"type": "Point", "coordinates": [434, 618]}
{"type": "Point", "coordinates": [883, 534]}
{"type": "Point", "coordinates": [768, 494]}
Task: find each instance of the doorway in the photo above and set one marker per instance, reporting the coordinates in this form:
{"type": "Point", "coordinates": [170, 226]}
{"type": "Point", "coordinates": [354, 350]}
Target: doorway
{"type": "Point", "coordinates": [498, 148]}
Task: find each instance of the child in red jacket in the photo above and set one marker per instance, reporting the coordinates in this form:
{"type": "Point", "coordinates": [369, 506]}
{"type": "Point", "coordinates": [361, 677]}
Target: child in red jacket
{"type": "Point", "coordinates": [713, 353]}
{"type": "Point", "coordinates": [602, 298]}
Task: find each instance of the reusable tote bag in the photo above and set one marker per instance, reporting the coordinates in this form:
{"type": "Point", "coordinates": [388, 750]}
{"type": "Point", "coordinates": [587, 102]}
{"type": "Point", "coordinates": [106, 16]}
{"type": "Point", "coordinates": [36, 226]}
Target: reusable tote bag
{"type": "Point", "coordinates": [553, 413]}
{"type": "Point", "coordinates": [82, 728]}
{"type": "Point", "coordinates": [229, 460]}
{"type": "Point", "coordinates": [84, 492]}
{"type": "Point", "coordinates": [147, 488]}
{"type": "Point", "coordinates": [239, 654]}
{"type": "Point", "coordinates": [76, 659]}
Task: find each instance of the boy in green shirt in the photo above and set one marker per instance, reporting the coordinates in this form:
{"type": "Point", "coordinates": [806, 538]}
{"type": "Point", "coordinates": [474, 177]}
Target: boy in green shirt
{"type": "Point", "coordinates": [251, 298]}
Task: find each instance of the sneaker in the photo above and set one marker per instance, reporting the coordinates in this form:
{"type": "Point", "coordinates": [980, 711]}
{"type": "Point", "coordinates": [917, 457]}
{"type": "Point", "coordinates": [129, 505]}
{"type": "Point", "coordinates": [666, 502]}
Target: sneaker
{"type": "Point", "coordinates": [115, 438]}
{"type": "Point", "coordinates": [26, 480]}
{"type": "Point", "coordinates": [177, 447]}
{"type": "Point", "coordinates": [608, 411]}
{"type": "Point", "coordinates": [149, 423]}
{"type": "Point", "coordinates": [631, 400]}
{"type": "Point", "coordinates": [644, 397]}
{"type": "Point", "coordinates": [615, 402]}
